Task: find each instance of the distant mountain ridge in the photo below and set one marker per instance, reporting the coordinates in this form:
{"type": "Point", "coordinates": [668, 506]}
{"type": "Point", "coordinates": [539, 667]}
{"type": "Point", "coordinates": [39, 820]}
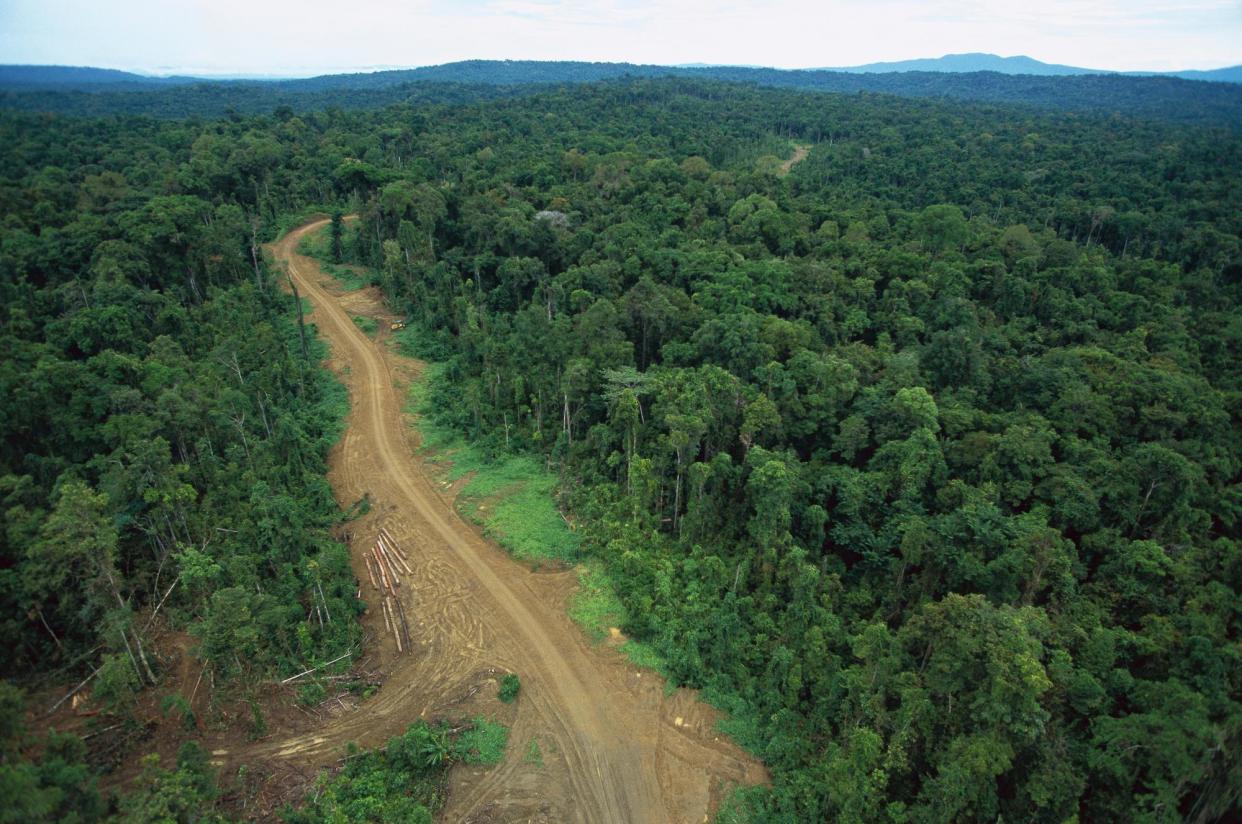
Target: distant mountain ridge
{"type": "Point", "coordinates": [1021, 64]}
{"type": "Point", "coordinates": [85, 78]}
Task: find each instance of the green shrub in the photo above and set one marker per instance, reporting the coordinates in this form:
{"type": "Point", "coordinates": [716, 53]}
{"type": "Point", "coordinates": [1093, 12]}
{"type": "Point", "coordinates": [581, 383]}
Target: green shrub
{"type": "Point", "coordinates": [510, 685]}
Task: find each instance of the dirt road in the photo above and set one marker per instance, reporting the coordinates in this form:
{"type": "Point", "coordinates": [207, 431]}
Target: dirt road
{"type": "Point", "coordinates": [801, 150]}
{"type": "Point", "coordinates": [593, 739]}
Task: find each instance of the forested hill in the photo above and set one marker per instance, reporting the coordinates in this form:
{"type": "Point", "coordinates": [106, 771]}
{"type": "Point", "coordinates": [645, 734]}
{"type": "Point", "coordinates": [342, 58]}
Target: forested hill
{"type": "Point", "coordinates": [1166, 98]}
{"type": "Point", "coordinates": [86, 78]}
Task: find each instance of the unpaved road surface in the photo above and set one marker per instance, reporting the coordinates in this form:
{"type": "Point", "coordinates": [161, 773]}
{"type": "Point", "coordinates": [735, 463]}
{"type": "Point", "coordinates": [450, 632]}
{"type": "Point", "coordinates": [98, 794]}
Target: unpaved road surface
{"type": "Point", "coordinates": [609, 745]}
{"type": "Point", "coordinates": [801, 150]}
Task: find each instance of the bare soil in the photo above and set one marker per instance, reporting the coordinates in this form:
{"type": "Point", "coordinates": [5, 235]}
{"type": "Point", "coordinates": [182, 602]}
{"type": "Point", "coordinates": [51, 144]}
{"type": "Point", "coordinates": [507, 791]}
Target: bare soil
{"type": "Point", "coordinates": [613, 744]}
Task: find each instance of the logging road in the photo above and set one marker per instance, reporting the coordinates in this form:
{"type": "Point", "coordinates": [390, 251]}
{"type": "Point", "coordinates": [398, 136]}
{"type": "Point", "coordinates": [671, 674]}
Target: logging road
{"type": "Point", "coordinates": [612, 745]}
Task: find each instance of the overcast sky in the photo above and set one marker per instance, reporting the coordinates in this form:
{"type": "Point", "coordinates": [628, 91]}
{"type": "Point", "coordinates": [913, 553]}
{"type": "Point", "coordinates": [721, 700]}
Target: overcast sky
{"type": "Point", "coordinates": [318, 36]}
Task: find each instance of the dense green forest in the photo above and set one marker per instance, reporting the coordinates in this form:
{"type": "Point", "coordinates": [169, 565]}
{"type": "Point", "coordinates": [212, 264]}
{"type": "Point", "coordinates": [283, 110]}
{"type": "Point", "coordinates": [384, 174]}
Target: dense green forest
{"type": "Point", "coordinates": [165, 425]}
{"type": "Point", "coordinates": [99, 92]}
{"type": "Point", "coordinates": [922, 459]}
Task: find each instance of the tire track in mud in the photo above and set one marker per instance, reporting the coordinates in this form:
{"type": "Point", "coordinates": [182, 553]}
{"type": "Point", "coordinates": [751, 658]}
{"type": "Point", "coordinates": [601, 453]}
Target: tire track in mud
{"type": "Point", "coordinates": [612, 754]}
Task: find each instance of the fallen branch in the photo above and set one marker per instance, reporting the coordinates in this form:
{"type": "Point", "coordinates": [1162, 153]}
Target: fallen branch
{"type": "Point", "coordinates": [147, 626]}
{"type": "Point", "coordinates": [94, 733]}
{"type": "Point", "coordinates": [347, 653]}
{"type": "Point", "coordinates": [73, 691]}
{"type": "Point", "coordinates": [379, 564]}
{"type": "Point", "coordinates": [405, 628]}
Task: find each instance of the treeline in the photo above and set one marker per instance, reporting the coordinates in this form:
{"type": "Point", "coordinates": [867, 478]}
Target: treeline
{"type": "Point", "coordinates": [923, 459]}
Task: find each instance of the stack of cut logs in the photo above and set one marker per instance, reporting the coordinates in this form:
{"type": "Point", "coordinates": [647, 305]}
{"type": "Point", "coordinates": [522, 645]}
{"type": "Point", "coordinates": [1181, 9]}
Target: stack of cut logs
{"type": "Point", "coordinates": [385, 560]}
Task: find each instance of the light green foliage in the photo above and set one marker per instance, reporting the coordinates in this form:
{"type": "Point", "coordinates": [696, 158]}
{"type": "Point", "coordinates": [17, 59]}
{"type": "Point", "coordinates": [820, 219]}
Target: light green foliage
{"type": "Point", "coordinates": [510, 495]}
{"type": "Point", "coordinates": [175, 703]}
{"type": "Point", "coordinates": [483, 743]}
{"type": "Point", "coordinates": [595, 606]}
{"type": "Point", "coordinates": [368, 325]}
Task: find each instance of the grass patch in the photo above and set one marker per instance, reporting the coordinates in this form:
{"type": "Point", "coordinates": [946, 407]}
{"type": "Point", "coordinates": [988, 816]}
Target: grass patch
{"type": "Point", "coordinates": [369, 326]}
{"type": "Point", "coordinates": [741, 805]}
{"type": "Point", "coordinates": [644, 655]}
{"type": "Point", "coordinates": [484, 743]}
{"type": "Point", "coordinates": [510, 496]}
{"type": "Point", "coordinates": [595, 607]}
{"type": "Point", "coordinates": [534, 755]}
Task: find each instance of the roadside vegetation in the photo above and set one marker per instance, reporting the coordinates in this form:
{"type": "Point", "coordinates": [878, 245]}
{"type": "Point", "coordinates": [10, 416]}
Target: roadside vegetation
{"type": "Point", "coordinates": [320, 246]}
{"type": "Point", "coordinates": [511, 496]}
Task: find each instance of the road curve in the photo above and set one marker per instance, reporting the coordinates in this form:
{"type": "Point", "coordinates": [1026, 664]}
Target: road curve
{"type": "Point", "coordinates": [613, 776]}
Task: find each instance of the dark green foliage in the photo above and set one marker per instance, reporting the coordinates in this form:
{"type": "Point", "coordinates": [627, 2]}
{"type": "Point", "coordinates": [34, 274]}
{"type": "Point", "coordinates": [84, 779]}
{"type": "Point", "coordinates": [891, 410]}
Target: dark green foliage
{"type": "Point", "coordinates": [510, 686]}
{"type": "Point", "coordinates": [337, 250]}
{"type": "Point", "coordinates": [164, 432]}
{"type": "Point", "coordinates": [56, 786]}
{"type": "Point", "coordinates": [186, 795]}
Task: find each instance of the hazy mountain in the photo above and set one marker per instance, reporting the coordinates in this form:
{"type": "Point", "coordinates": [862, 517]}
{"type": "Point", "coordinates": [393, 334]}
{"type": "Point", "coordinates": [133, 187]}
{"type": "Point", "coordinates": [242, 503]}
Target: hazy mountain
{"type": "Point", "coordinates": [81, 77]}
{"type": "Point", "coordinates": [973, 62]}
{"type": "Point", "coordinates": [1231, 74]}
{"type": "Point", "coordinates": [1021, 64]}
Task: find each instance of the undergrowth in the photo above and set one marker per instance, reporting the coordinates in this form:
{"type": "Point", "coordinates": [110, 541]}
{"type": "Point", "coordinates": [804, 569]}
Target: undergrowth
{"type": "Point", "coordinates": [405, 779]}
{"type": "Point", "coordinates": [483, 743]}
{"type": "Point", "coordinates": [316, 245]}
{"type": "Point", "coordinates": [367, 325]}
{"type": "Point", "coordinates": [510, 496]}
